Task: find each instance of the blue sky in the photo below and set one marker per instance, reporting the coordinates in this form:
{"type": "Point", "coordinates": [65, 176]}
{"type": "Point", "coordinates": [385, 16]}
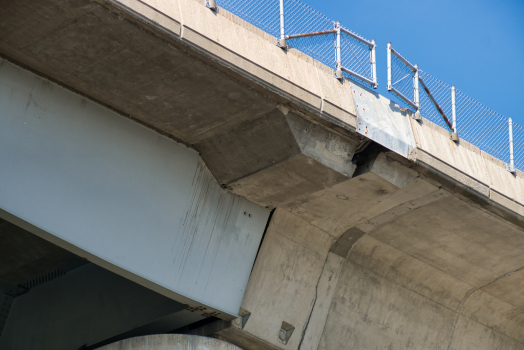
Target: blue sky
{"type": "Point", "coordinates": [476, 45]}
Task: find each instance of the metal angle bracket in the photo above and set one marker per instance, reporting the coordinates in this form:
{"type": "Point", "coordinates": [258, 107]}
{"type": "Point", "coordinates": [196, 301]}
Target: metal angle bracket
{"type": "Point", "coordinates": [243, 316]}
{"type": "Point", "coordinates": [285, 332]}
{"type": "Point", "coordinates": [338, 74]}
{"type": "Point", "coordinates": [282, 44]}
{"type": "Point", "coordinates": [211, 4]}
{"type": "Point", "coordinates": [415, 115]}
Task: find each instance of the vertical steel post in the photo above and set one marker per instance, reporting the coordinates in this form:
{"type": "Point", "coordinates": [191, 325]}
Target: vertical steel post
{"type": "Point", "coordinates": [416, 94]}
{"type": "Point", "coordinates": [389, 66]}
{"type": "Point", "coordinates": [374, 65]}
{"type": "Point", "coordinates": [511, 160]}
{"type": "Point", "coordinates": [211, 4]}
{"type": "Point", "coordinates": [338, 58]}
{"type": "Point", "coordinates": [282, 41]}
{"type": "Point", "coordinates": [453, 109]}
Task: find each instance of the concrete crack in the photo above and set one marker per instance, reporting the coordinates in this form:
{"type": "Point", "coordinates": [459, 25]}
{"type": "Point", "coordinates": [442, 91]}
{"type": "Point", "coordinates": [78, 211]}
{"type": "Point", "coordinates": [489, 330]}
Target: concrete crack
{"type": "Point", "coordinates": [457, 314]}
{"type": "Point", "coordinates": [302, 336]}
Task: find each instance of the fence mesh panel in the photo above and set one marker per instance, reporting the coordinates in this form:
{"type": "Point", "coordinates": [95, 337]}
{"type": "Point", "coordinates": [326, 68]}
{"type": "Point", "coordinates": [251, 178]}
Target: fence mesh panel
{"type": "Point", "coordinates": [266, 17]}
{"type": "Point", "coordinates": [356, 56]}
{"type": "Point", "coordinates": [481, 126]}
{"type": "Point", "coordinates": [518, 146]}
{"type": "Point", "coordinates": [402, 80]}
{"type": "Point", "coordinates": [442, 94]}
{"type": "Point", "coordinates": [299, 19]}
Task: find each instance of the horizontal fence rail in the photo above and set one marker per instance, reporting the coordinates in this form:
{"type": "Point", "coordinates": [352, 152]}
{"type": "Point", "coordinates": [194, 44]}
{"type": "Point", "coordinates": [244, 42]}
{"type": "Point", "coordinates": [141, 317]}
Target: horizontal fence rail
{"type": "Point", "coordinates": [297, 25]}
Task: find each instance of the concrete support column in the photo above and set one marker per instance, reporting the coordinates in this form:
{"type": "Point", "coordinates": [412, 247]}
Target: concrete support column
{"type": "Point", "coordinates": [170, 342]}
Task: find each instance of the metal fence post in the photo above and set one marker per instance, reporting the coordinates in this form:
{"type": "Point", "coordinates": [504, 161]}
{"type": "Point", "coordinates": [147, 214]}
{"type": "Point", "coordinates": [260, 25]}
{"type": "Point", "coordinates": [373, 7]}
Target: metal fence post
{"type": "Point", "coordinates": [374, 64]}
{"type": "Point", "coordinates": [416, 94]}
{"type": "Point", "coordinates": [389, 66]}
{"type": "Point", "coordinates": [511, 167]}
{"type": "Point", "coordinates": [453, 114]}
{"type": "Point", "coordinates": [282, 41]}
{"type": "Point", "coordinates": [338, 58]}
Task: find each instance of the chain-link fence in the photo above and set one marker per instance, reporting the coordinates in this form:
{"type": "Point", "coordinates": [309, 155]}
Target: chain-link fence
{"type": "Point", "coordinates": [401, 79]}
{"type": "Point", "coordinates": [301, 19]}
{"type": "Point", "coordinates": [309, 31]}
{"type": "Point", "coordinates": [453, 110]}
{"type": "Point", "coordinates": [357, 56]}
{"type": "Point", "coordinates": [518, 146]}
{"type": "Point", "coordinates": [265, 17]}
{"type": "Point", "coordinates": [297, 25]}
{"type": "Point", "coordinates": [481, 126]}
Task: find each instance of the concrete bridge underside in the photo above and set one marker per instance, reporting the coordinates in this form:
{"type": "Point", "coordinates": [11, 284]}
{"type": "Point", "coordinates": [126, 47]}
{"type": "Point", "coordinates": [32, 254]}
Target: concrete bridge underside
{"type": "Point", "coordinates": [387, 237]}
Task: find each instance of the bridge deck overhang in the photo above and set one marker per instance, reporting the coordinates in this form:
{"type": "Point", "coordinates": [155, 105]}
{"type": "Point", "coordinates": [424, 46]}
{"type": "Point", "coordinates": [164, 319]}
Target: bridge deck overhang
{"type": "Point", "coordinates": [437, 224]}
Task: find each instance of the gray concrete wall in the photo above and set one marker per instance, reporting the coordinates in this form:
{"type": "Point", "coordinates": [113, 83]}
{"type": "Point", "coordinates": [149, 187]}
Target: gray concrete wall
{"type": "Point", "coordinates": [121, 195]}
{"type": "Point", "coordinates": [386, 260]}
{"type": "Point", "coordinates": [377, 295]}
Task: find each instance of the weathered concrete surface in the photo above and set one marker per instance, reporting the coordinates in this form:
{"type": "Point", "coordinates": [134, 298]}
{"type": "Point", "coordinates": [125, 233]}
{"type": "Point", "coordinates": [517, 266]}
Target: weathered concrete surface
{"type": "Point", "coordinates": [420, 267]}
{"type": "Point", "coordinates": [470, 169]}
{"type": "Point", "coordinates": [170, 342]}
{"type": "Point", "coordinates": [278, 157]}
{"type": "Point", "coordinates": [298, 251]}
{"type": "Point", "coordinates": [419, 248]}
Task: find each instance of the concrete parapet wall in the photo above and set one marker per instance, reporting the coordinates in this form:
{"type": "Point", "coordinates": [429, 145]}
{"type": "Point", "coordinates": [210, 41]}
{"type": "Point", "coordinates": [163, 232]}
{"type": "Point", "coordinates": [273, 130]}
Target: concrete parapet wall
{"type": "Point", "coordinates": [468, 166]}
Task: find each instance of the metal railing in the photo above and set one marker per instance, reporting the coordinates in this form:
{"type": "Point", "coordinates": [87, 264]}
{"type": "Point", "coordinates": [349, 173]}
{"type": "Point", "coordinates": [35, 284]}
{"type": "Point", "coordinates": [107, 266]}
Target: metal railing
{"type": "Point", "coordinates": [297, 25]}
{"type": "Point", "coordinates": [294, 24]}
{"type": "Point", "coordinates": [450, 108]}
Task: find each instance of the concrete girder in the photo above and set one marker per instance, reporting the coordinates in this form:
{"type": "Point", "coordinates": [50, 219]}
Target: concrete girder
{"type": "Point", "coordinates": [122, 196]}
{"type": "Point", "coordinates": [379, 184]}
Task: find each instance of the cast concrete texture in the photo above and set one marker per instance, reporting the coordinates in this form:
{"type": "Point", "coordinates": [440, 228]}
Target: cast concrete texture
{"type": "Point", "coordinates": [420, 248]}
{"type": "Point", "coordinates": [170, 342]}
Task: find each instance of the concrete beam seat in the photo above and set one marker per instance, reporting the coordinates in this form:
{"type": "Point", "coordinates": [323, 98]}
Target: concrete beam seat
{"type": "Point", "coordinates": [278, 158]}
